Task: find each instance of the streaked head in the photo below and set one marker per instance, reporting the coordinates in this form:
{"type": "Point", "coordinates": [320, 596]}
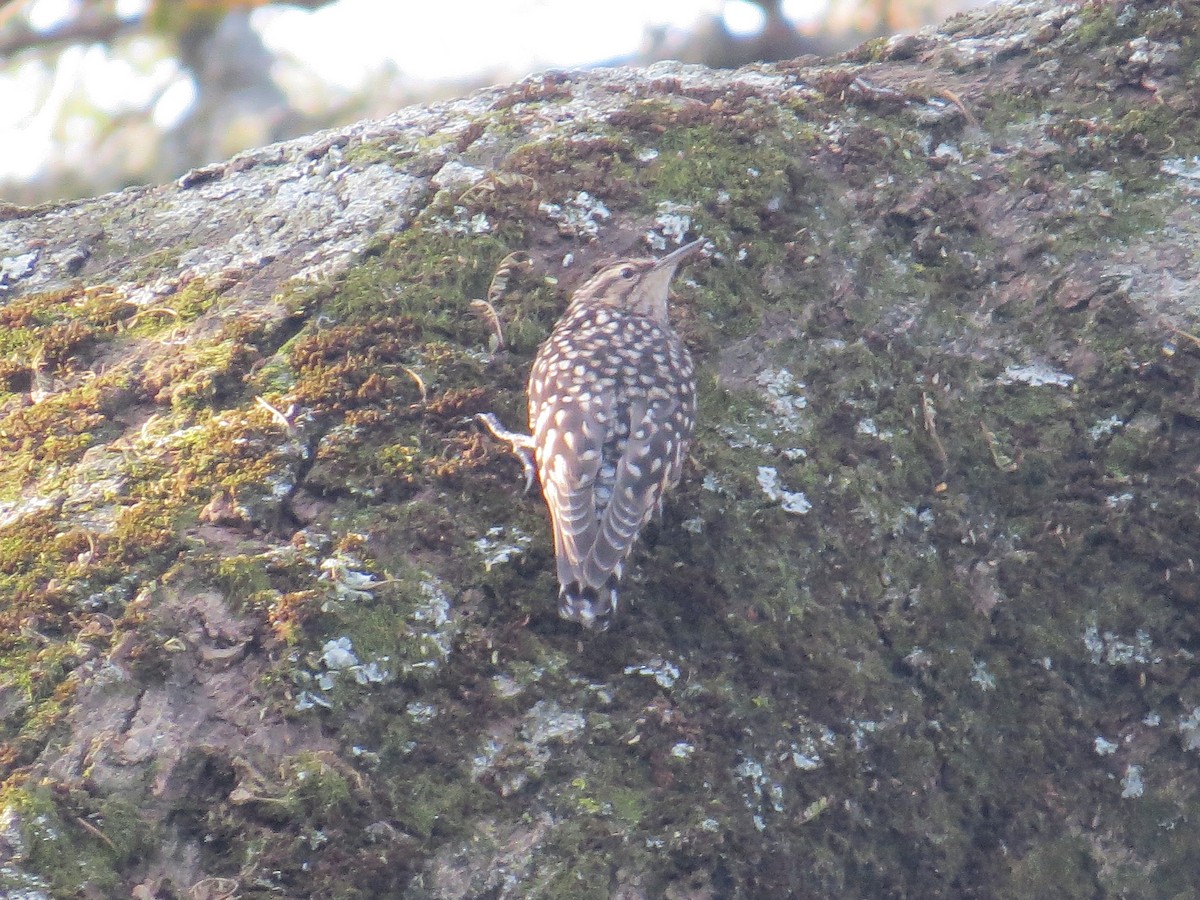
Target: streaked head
{"type": "Point", "coordinates": [639, 286]}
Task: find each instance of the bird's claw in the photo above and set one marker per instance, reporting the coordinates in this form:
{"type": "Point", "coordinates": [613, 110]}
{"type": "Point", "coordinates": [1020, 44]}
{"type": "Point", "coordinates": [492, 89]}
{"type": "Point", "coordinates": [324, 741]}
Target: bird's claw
{"type": "Point", "coordinates": [520, 444]}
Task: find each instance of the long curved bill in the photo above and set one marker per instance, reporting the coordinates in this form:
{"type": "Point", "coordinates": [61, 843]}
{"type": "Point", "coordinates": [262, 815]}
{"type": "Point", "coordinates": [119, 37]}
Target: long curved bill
{"type": "Point", "coordinates": [656, 282]}
{"type": "Point", "coordinates": [675, 257]}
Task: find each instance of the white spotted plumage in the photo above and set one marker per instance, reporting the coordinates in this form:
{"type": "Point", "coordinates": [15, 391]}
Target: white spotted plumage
{"type": "Point", "coordinates": [612, 408]}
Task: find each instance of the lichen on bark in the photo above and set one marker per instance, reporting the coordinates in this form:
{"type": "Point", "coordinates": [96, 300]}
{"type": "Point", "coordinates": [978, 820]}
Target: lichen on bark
{"type": "Point", "coordinates": [278, 620]}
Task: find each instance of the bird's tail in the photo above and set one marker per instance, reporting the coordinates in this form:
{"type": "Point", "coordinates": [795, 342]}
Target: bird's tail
{"type": "Point", "coordinates": [593, 608]}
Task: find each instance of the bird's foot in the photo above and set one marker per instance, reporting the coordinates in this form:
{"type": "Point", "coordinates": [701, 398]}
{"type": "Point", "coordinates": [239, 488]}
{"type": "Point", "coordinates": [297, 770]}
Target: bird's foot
{"type": "Point", "coordinates": [521, 444]}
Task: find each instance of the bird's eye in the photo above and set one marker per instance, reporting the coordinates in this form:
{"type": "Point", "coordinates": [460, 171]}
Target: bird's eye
{"type": "Point", "coordinates": [627, 272]}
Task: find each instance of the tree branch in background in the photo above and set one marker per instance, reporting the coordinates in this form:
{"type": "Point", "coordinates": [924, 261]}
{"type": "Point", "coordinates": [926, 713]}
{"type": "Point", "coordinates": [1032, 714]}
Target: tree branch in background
{"type": "Point", "coordinates": [89, 27]}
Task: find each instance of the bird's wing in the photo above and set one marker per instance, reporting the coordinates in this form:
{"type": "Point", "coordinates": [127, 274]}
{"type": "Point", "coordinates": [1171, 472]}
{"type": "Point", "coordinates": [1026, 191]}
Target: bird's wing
{"type": "Point", "coordinates": [648, 466]}
{"type": "Point", "coordinates": [569, 434]}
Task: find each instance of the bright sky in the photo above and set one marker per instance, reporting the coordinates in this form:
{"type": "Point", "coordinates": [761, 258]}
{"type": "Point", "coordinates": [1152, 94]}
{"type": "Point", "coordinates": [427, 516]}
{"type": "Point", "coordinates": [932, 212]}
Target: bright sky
{"type": "Point", "coordinates": [453, 38]}
{"type": "Point", "coordinates": [51, 112]}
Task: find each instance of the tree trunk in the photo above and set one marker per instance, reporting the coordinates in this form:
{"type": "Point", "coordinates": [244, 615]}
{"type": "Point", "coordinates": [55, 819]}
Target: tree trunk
{"type": "Point", "coordinates": [920, 621]}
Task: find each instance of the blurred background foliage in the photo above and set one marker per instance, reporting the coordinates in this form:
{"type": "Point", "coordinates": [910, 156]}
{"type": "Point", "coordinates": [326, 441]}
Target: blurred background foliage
{"type": "Point", "coordinates": [102, 94]}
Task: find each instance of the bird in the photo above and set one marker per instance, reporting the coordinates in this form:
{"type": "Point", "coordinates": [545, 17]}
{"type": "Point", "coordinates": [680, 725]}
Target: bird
{"type": "Point", "coordinates": [612, 413]}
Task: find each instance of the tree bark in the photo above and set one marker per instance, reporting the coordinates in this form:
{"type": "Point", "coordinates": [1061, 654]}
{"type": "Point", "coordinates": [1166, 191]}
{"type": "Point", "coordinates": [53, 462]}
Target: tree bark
{"type": "Point", "coordinates": [919, 622]}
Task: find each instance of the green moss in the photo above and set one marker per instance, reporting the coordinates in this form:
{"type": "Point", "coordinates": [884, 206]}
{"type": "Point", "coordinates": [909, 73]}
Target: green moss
{"type": "Point", "coordinates": [874, 50]}
{"type": "Point", "coordinates": [422, 280]}
{"type": "Point", "coordinates": [74, 842]}
{"type": "Point", "coordinates": [243, 577]}
{"type": "Point", "coordinates": [846, 652]}
{"type": "Point", "coordinates": [432, 804]}
{"type": "Point", "coordinates": [368, 153]}
{"type": "Point", "coordinates": [317, 790]}
{"type": "Point", "coordinates": [1100, 27]}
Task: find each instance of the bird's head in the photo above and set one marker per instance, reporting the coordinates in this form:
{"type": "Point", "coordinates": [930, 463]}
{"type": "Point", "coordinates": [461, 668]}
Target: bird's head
{"type": "Point", "coordinates": [639, 286]}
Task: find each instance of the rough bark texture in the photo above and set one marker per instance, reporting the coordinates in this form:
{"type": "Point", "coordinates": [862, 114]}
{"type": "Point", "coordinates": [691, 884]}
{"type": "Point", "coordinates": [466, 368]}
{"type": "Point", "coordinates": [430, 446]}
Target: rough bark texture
{"type": "Point", "coordinates": [921, 620]}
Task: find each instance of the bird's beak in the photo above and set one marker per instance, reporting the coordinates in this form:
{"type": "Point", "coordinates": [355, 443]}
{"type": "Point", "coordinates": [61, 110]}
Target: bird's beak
{"type": "Point", "coordinates": [656, 283]}
{"type": "Point", "coordinates": [649, 297]}
{"type": "Point", "coordinates": [675, 257]}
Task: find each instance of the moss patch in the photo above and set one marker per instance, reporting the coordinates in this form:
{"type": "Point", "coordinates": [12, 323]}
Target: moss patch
{"type": "Point", "coordinates": [925, 584]}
